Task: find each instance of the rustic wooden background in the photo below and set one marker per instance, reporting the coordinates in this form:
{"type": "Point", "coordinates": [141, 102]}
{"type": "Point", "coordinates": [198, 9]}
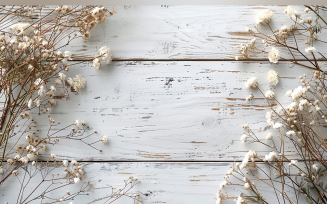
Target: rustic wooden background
{"type": "Point", "coordinates": [172, 101]}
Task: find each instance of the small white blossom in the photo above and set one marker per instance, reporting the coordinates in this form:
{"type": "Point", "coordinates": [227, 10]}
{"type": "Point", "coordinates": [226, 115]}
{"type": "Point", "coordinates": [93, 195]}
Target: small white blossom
{"type": "Point", "coordinates": [251, 154]}
{"type": "Point", "coordinates": [270, 95]}
{"type": "Point", "coordinates": [244, 137]}
{"type": "Point", "coordinates": [252, 83]}
{"type": "Point", "coordinates": [76, 180]}
{"type": "Point", "coordinates": [269, 136]}
{"type": "Point", "coordinates": [272, 156]}
{"type": "Point", "coordinates": [77, 83]}
{"type": "Point", "coordinates": [62, 76]}
{"type": "Point", "coordinates": [74, 162]}
{"type": "Point", "coordinates": [64, 62]}
{"type": "Point", "coordinates": [289, 93]}
{"type": "Point", "coordinates": [31, 156]}
{"type": "Point", "coordinates": [247, 186]}
{"type": "Point", "coordinates": [37, 102]}
{"type": "Point", "coordinates": [239, 200]}
{"type": "Point", "coordinates": [67, 55]}
{"type": "Point", "coordinates": [97, 63]}
{"type": "Point", "coordinates": [106, 54]}
{"type": "Point", "coordinates": [76, 123]}
{"type": "Point", "coordinates": [273, 55]}
{"type": "Point", "coordinates": [264, 17]}
{"type": "Point", "coordinates": [277, 125]}
{"type": "Point", "coordinates": [65, 163]}
{"type": "Point", "coordinates": [317, 108]}
{"type": "Point", "coordinates": [303, 103]}
{"type": "Point", "coordinates": [65, 9]}
{"type": "Point", "coordinates": [223, 184]}
{"type": "Point", "coordinates": [53, 156]}
{"type": "Point", "coordinates": [288, 10]}
{"type": "Point", "coordinates": [298, 92]}
{"type": "Point", "coordinates": [58, 53]}
{"type": "Point", "coordinates": [24, 159]}
{"type": "Point", "coordinates": [15, 173]}
{"type": "Point", "coordinates": [10, 161]}
{"type": "Point", "coordinates": [297, 14]}
{"type": "Point", "coordinates": [290, 133]}
{"type": "Point", "coordinates": [273, 77]}
{"type": "Point", "coordinates": [293, 162]}
{"type": "Point", "coordinates": [30, 104]}
{"type": "Point", "coordinates": [250, 97]}
{"type": "Point", "coordinates": [38, 82]}
{"type": "Point", "coordinates": [246, 126]}
{"type": "Point", "coordinates": [315, 167]}
{"type": "Point", "coordinates": [104, 139]}
{"type": "Point", "coordinates": [310, 49]}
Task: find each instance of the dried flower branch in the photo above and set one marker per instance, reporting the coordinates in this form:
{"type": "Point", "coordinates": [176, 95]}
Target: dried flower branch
{"type": "Point", "coordinates": [34, 61]}
{"type": "Point", "coordinates": [288, 38]}
{"type": "Point", "coordinates": [298, 126]}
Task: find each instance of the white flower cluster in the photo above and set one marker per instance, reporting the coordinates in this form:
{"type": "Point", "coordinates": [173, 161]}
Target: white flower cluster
{"type": "Point", "coordinates": [272, 156]}
{"type": "Point", "coordinates": [293, 163]}
{"type": "Point", "coordinates": [75, 172]}
{"type": "Point", "coordinates": [244, 49]}
{"type": "Point", "coordinates": [104, 139]}
{"type": "Point", "coordinates": [63, 9]}
{"type": "Point", "coordinates": [269, 136]}
{"type": "Point", "coordinates": [310, 49]}
{"type": "Point", "coordinates": [273, 55]}
{"type": "Point", "coordinates": [264, 17]}
{"type": "Point", "coordinates": [31, 151]}
{"type": "Point", "coordinates": [105, 55]}
{"type": "Point", "coordinates": [22, 29]}
{"type": "Point", "coordinates": [288, 10]}
{"type": "Point", "coordinates": [77, 83]}
{"type": "Point", "coordinates": [99, 14]}
{"type": "Point", "coordinates": [252, 83]}
{"type": "Point", "coordinates": [282, 34]}
{"type": "Point", "coordinates": [269, 118]}
{"type": "Point", "coordinates": [244, 137]}
{"type": "Point", "coordinates": [239, 200]}
{"type": "Point", "coordinates": [223, 184]}
{"type": "Point", "coordinates": [298, 92]}
{"type": "Point", "coordinates": [250, 97]}
{"type": "Point", "coordinates": [270, 95]}
{"type": "Point", "coordinates": [251, 155]}
{"type": "Point", "coordinates": [273, 77]}
{"type": "Point", "coordinates": [42, 92]}
{"type": "Point", "coordinates": [96, 16]}
{"type": "Point", "coordinates": [277, 125]}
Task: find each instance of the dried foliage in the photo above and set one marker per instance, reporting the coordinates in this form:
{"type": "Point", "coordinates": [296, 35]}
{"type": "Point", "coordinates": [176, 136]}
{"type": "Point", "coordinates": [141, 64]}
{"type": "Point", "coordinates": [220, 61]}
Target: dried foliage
{"type": "Point", "coordinates": [299, 126]}
{"type": "Point", "coordinates": [33, 75]}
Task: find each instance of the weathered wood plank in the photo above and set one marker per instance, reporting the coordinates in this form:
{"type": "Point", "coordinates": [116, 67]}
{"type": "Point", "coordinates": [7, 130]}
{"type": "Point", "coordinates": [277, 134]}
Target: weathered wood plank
{"type": "Point", "coordinates": [196, 116]}
{"type": "Point", "coordinates": [160, 183]}
{"type": "Point", "coordinates": [185, 32]}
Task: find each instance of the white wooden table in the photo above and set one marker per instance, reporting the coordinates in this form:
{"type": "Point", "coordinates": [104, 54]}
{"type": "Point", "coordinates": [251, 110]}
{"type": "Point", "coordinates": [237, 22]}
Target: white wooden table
{"type": "Point", "coordinates": [172, 101]}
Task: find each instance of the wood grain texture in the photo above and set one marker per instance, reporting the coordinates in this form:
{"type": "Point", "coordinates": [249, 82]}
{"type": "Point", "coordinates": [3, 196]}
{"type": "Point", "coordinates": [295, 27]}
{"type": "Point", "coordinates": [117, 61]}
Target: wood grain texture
{"type": "Point", "coordinates": [174, 93]}
{"type": "Point", "coordinates": [197, 116]}
{"type": "Point", "coordinates": [186, 32]}
{"type": "Point", "coordinates": [177, 183]}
